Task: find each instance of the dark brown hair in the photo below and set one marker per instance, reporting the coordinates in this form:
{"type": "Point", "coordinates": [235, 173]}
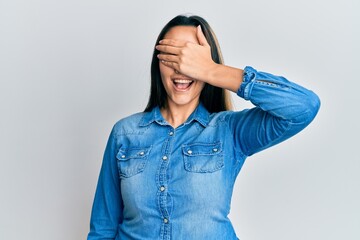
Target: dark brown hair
{"type": "Point", "coordinates": [214, 99]}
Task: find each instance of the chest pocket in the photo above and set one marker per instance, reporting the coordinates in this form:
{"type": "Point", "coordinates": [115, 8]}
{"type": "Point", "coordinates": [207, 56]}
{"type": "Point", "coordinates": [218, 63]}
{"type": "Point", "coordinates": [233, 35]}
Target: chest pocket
{"type": "Point", "coordinates": [203, 157]}
{"type": "Point", "coordinates": [132, 161]}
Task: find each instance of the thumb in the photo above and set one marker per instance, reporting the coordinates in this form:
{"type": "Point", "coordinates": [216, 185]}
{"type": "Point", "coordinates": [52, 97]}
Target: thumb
{"type": "Point", "coordinates": [201, 37]}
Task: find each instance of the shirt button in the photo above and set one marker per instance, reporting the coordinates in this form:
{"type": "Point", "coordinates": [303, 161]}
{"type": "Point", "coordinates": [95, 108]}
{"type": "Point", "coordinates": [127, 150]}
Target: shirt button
{"type": "Point", "coordinates": [164, 157]}
{"type": "Point", "coordinates": [171, 133]}
{"type": "Point", "coordinates": [215, 149]}
{"type": "Point", "coordinates": [162, 188]}
{"type": "Point", "coordinates": [141, 153]}
{"type": "Point", "coordinates": [166, 220]}
{"type": "Point", "coordinates": [189, 152]}
{"type": "Point", "coordinates": [123, 156]}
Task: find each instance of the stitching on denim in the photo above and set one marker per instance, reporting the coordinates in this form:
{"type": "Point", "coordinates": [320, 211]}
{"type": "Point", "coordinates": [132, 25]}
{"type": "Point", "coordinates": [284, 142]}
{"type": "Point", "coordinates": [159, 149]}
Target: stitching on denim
{"type": "Point", "coordinates": [123, 132]}
{"type": "Point", "coordinates": [271, 84]}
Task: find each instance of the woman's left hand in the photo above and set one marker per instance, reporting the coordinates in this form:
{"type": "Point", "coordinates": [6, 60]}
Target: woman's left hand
{"type": "Point", "coordinates": [190, 59]}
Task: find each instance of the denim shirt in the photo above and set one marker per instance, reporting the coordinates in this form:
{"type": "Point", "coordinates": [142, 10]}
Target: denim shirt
{"type": "Point", "coordinates": [157, 182]}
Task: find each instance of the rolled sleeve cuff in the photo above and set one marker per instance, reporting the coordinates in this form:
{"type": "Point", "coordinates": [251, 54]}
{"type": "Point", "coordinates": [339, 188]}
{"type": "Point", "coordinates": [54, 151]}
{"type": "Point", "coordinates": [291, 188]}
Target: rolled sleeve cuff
{"type": "Point", "coordinates": [248, 82]}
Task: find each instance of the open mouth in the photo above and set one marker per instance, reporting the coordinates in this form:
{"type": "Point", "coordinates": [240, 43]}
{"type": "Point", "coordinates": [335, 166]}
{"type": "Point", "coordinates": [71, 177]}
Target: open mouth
{"type": "Point", "coordinates": [182, 84]}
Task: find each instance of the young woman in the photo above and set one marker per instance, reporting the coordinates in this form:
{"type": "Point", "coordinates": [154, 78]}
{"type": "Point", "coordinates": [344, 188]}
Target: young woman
{"type": "Point", "coordinates": [169, 172]}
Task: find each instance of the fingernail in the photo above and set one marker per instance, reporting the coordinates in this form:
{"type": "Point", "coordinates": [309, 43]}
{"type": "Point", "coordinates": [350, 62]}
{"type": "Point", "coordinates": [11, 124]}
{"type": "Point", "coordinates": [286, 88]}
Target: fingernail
{"type": "Point", "coordinates": [160, 41]}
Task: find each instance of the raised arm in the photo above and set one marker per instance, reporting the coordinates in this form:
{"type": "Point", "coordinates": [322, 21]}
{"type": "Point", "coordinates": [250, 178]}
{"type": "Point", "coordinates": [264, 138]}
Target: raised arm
{"type": "Point", "coordinates": [282, 108]}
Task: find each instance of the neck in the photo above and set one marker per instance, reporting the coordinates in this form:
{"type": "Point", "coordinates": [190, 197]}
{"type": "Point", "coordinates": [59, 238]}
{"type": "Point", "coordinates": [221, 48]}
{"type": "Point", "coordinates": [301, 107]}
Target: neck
{"type": "Point", "coordinates": [175, 114]}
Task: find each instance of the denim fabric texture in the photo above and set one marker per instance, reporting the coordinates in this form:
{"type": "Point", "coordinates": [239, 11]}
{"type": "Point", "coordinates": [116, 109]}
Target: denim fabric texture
{"type": "Point", "coordinates": [157, 182]}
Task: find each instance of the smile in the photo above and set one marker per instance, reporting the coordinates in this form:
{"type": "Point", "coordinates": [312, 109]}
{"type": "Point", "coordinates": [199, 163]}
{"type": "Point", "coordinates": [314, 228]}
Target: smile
{"type": "Point", "coordinates": [182, 84]}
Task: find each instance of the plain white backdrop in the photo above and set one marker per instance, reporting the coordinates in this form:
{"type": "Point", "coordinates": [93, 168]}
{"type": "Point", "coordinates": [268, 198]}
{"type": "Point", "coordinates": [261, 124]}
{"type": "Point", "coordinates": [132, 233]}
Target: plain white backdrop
{"type": "Point", "coordinates": [70, 69]}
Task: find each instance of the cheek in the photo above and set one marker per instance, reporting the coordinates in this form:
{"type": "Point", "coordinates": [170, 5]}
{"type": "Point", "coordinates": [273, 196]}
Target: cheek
{"type": "Point", "coordinates": [165, 71]}
{"type": "Point", "coordinates": [201, 86]}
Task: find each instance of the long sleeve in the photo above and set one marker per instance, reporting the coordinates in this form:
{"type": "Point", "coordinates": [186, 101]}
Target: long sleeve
{"type": "Point", "coordinates": [106, 212]}
{"type": "Point", "coordinates": [282, 110]}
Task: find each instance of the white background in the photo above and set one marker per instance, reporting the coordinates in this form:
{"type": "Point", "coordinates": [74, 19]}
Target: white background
{"type": "Point", "coordinates": [69, 69]}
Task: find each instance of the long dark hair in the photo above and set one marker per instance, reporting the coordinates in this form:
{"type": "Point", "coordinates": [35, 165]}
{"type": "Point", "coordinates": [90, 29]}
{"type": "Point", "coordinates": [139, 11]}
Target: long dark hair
{"type": "Point", "coordinates": [214, 99]}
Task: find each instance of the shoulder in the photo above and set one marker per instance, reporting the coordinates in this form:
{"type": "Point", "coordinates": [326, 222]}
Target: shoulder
{"type": "Point", "coordinates": [129, 124]}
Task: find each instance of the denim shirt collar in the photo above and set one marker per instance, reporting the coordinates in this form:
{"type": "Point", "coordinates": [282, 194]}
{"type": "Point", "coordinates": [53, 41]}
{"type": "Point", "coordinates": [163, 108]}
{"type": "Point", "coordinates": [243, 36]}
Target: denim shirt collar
{"type": "Point", "coordinates": [200, 115]}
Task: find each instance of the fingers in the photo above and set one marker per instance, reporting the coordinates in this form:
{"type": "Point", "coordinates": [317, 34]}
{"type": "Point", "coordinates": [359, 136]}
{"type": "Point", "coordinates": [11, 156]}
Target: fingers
{"type": "Point", "coordinates": [170, 64]}
{"type": "Point", "coordinates": [168, 58]}
{"type": "Point", "coordinates": [173, 42]}
{"type": "Point", "coordinates": [201, 37]}
{"type": "Point", "coordinates": [168, 49]}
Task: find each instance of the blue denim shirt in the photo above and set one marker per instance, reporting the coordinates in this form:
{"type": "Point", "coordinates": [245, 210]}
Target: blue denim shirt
{"type": "Point", "coordinates": [157, 182]}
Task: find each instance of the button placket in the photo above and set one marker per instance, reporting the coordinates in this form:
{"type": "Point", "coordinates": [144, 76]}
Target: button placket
{"type": "Point", "coordinates": [162, 181]}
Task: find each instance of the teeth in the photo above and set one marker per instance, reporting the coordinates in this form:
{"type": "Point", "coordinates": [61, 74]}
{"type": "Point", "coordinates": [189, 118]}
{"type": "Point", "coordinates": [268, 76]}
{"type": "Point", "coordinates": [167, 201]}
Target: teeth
{"type": "Point", "coordinates": [182, 81]}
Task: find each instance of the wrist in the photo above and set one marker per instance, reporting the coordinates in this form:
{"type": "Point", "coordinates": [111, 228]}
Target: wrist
{"type": "Point", "coordinates": [226, 77]}
{"type": "Point", "coordinates": [214, 72]}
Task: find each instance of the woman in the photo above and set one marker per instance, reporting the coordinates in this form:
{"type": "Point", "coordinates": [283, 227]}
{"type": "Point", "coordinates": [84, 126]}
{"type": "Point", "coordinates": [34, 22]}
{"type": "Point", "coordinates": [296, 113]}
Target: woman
{"type": "Point", "coordinates": [169, 172]}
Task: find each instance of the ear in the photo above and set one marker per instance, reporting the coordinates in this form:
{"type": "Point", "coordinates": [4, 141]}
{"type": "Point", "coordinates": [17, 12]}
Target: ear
{"type": "Point", "coordinates": [201, 37]}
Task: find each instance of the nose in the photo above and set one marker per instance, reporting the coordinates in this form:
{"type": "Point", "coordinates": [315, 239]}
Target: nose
{"type": "Point", "coordinates": [176, 71]}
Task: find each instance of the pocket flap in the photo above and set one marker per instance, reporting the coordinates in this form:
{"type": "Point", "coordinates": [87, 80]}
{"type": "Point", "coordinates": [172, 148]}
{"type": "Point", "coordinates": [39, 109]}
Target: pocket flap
{"type": "Point", "coordinates": [125, 154]}
{"type": "Point", "coordinates": [196, 149]}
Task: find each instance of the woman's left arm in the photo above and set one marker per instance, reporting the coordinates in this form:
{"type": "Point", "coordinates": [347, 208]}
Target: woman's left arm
{"type": "Point", "coordinates": [283, 109]}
